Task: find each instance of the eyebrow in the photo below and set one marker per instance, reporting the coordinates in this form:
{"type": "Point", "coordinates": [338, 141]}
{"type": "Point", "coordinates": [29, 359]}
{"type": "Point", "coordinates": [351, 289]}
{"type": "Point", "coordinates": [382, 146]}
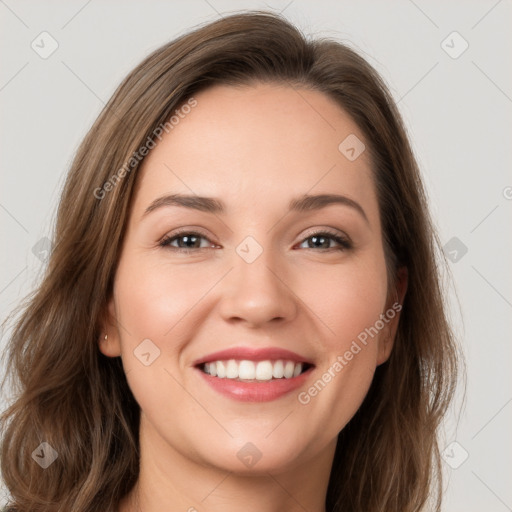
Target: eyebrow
{"type": "Point", "coordinates": [216, 206]}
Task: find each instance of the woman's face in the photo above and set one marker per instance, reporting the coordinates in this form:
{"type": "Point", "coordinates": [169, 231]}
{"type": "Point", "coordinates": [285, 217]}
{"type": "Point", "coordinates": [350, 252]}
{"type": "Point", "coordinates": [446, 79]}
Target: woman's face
{"type": "Point", "coordinates": [252, 281]}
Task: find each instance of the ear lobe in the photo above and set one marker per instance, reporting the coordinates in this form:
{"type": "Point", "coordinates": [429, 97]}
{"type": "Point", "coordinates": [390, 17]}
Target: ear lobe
{"type": "Point", "coordinates": [393, 315]}
{"type": "Point", "coordinates": [109, 342]}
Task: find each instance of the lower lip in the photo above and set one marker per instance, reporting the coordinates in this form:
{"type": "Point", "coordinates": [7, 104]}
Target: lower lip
{"type": "Point", "coordinates": [265, 391]}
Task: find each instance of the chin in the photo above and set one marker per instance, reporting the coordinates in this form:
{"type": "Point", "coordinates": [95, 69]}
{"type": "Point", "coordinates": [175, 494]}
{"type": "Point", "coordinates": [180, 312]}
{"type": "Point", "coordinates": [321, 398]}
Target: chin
{"type": "Point", "coordinates": [257, 457]}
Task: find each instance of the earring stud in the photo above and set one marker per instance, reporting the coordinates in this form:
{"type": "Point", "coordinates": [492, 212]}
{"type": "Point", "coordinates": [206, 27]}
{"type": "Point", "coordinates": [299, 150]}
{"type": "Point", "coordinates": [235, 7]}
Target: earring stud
{"type": "Point", "coordinates": [106, 337]}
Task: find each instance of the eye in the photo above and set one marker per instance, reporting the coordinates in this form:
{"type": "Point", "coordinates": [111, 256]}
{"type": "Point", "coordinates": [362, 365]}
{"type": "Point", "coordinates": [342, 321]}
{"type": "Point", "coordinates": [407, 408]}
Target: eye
{"type": "Point", "coordinates": [190, 241]}
{"type": "Point", "coordinates": [187, 241]}
{"type": "Point", "coordinates": [324, 237]}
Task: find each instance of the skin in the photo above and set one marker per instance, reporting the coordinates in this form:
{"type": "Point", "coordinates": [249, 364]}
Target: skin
{"type": "Point", "coordinates": [255, 148]}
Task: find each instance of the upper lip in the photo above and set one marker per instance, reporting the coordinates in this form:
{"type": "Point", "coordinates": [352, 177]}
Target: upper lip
{"type": "Point", "coordinates": [253, 354]}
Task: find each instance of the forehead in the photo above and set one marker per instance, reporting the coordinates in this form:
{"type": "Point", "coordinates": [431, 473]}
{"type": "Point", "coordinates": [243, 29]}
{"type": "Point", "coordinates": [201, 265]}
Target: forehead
{"type": "Point", "coordinates": [263, 142]}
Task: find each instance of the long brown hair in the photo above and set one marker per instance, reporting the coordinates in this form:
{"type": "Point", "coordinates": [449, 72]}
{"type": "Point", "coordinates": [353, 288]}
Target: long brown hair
{"type": "Point", "coordinates": [71, 396]}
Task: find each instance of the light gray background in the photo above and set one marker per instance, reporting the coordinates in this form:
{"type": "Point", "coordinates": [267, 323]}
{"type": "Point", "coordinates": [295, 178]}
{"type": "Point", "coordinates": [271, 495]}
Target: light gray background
{"type": "Point", "coordinates": [458, 113]}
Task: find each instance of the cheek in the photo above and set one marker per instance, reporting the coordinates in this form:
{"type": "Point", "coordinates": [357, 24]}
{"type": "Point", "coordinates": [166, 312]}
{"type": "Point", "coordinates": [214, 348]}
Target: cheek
{"type": "Point", "coordinates": [152, 300]}
{"type": "Point", "coordinates": [346, 301]}
{"type": "Point", "coordinates": [349, 303]}
{"type": "Point", "coordinates": [156, 302]}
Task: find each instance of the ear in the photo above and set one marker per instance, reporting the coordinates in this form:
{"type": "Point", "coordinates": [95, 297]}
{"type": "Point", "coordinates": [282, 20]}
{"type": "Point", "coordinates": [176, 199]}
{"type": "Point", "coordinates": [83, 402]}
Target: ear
{"type": "Point", "coordinates": [392, 316]}
{"type": "Point", "coordinates": [109, 342]}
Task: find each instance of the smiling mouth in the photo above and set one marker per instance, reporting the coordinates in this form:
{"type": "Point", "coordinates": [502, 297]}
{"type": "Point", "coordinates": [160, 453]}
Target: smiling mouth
{"type": "Point", "coordinates": [254, 371]}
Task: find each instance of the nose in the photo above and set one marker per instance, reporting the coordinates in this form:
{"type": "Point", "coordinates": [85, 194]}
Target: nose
{"type": "Point", "coordinates": [258, 293]}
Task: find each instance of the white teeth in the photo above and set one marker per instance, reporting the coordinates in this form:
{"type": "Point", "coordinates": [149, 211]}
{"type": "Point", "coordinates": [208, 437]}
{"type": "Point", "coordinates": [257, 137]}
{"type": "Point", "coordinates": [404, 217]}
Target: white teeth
{"type": "Point", "coordinates": [264, 370]}
{"type": "Point", "coordinates": [231, 369]}
{"type": "Point", "coordinates": [250, 370]}
{"type": "Point", "coordinates": [221, 369]}
{"type": "Point", "coordinates": [246, 370]}
{"type": "Point", "coordinates": [278, 370]}
{"type": "Point", "coordinates": [289, 367]}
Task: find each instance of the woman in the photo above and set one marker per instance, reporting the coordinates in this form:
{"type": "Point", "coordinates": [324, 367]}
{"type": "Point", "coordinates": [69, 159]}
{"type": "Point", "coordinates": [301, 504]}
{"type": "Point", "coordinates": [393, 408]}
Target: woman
{"type": "Point", "coordinates": [243, 307]}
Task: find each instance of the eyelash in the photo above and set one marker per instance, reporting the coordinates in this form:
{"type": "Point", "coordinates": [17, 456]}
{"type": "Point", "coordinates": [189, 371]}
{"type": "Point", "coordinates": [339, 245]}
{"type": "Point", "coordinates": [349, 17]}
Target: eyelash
{"type": "Point", "coordinates": [344, 243]}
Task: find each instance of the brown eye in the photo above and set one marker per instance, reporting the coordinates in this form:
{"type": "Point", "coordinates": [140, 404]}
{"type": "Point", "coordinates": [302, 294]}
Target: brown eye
{"type": "Point", "coordinates": [186, 241]}
{"type": "Point", "coordinates": [323, 239]}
